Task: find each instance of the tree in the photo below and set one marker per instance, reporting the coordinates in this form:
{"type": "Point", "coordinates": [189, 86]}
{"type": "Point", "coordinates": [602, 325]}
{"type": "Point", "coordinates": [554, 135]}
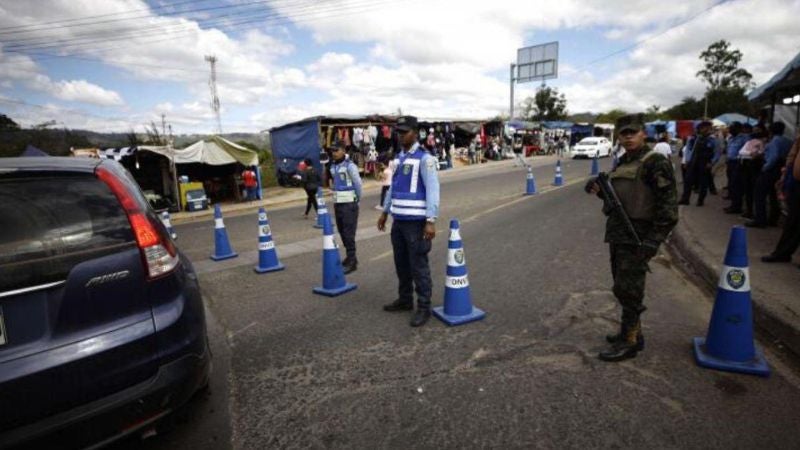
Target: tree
{"type": "Point", "coordinates": [7, 124]}
{"type": "Point", "coordinates": [547, 104]}
{"type": "Point", "coordinates": [721, 68]}
{"type": "Point", "coordinates": [654, 112]}
{"type": "Point", "coordinates": [611, 116]}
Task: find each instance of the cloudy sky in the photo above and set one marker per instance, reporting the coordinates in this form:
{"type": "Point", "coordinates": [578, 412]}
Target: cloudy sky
{"type": "Point", "coordinates": [117, 64]}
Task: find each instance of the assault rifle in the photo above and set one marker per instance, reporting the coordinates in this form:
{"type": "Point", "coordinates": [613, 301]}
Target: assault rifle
{"type": "Point", "coordinates": [615, 205]}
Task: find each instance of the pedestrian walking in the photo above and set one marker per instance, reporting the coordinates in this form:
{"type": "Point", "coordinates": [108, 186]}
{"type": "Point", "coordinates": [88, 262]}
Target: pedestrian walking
{"type": "Point", "coordinates": [645, 183]}
{"type": "Point", "coordinates": [250, 184]}
{"type": "Point", "coordinates": [698, 170]}
{"type": "Point", "coordinates": [387, 170]}
{"type": "Point", "coordinates": [311, 181]}
{"type": "Point", "coordinates": [413, 201]}
{"type": "Point", "coordinates": [519, 160]}
{"type": "Point", "coordinates": [346, 195]}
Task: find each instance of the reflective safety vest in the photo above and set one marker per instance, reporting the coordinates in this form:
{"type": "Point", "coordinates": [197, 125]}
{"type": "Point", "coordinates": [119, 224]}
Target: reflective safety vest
{"type": "Point", "coordinates": [344, 191]}
{"type": "Point", "coordinates": [635, 195]}
{"type": "Point", "coordinates": [408, 189]}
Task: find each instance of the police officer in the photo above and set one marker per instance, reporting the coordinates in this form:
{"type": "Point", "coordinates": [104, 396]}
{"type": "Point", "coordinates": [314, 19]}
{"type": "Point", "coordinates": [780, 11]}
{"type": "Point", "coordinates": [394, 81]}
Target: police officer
{"type": "Point", "coordinates": [413, 201]}
{"type": "Point", "coordinates": [645, 183]}
{"type": "Point", "coordinates": [698, 169]}
{"type": "Point", "coordinates": [346, 195]}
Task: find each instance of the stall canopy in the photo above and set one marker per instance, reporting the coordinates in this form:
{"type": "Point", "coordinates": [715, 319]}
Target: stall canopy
{"type": "Point", "coordinates": [216, 151]}
{"type": "Point", "coordinates": [557, 125]}
{"type": "Point", "coordinates": [294, 142]}
{"type": "Point", "coordinates": [30, 150]}
{"type": "Point", "coordinates": [655, 128]}
{"type": "Point", "coordinates": [729, 118]}
{"type": "Point", "coordinates": [782, 84]}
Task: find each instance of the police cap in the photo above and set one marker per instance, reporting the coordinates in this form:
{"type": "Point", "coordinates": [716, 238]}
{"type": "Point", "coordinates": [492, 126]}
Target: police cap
{"type": "Point", "coordinates": [630, 122]}
{"type": "Point", "coordinates": [406, 123]}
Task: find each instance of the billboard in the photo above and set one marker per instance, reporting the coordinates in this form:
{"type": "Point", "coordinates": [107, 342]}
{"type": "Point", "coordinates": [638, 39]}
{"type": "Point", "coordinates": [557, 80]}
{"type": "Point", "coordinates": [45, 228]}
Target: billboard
{"type": "Point", "coordinates": [537, 62]}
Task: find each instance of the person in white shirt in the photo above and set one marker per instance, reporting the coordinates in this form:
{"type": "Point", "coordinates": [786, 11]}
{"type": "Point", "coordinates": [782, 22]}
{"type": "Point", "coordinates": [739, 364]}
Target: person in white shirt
{"type": "Point", "coordinates": [663, 147]}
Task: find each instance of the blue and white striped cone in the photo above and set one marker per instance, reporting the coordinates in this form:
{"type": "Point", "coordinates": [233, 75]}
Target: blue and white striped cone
{"type": "Point", "coordinates": [559, 180]}
{"type": "Point", "coordinates": [530, 185]}
{"type": "Point", "coordinates": [595, 166]}
{"type": "Point", "coordinates": [729, 343]}
{"type": "Point", "coordinates": [222, 246]}
{"type": "Point", "coordinates": [322, 209]}
{"type": "Point", "coordinates": [333, 281]}
{"type": "Point", "coordinates": [168, 225]}
{"type": "Point", "coordinates": [457, 309]}
{"type": "Point", "coordinates": [267, 255]}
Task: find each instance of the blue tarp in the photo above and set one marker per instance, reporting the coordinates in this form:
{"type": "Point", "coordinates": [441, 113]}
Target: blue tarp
{"type": "Point", "coordinates": [295, 142]}
{"type": "Point", "coordinates": [670, 126]}
{"type": "Point", "coordinates": [556, 124]}
{"type": "Point", "coordinates": [33, 151]}
{"type": "Point", "coordinates": [736, 117]}
{"type": "Point", "coordinates": [766, 88]}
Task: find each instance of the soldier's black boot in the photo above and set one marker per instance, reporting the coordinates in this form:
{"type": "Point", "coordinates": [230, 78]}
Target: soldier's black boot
{"type": "Point", "coordinates": [399, 305]}
{"type": "Point", "coordinates": [350, 266]}
{"type": "Point", "coordinates": [420, 317]}
{"type": "Point", "coordinates": [625, 348]}
{"type": "Point", "coordinates": [614, 338]}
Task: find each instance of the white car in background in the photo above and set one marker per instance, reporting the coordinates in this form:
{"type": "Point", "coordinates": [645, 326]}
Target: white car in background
{"type": "Point", "coordinates": [592, 147]}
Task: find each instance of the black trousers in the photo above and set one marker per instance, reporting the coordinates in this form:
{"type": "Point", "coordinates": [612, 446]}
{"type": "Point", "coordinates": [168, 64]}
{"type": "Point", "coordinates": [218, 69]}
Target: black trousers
{"type": "Point", "coordinates": [311, 201]}
{"type": "Point", "coordinates": [347, 222]}
{"type": "Point", "coordinates": [749, 174]}
{"type": "Point", "coordinates": [790, 238]}
{"type": "Point", "coordinates": [695, 176]}
{"type": "Point", "coordinates": [765, 192]}
{"type": "Point", "coordinates": [735, 185]}
{"type": "Point", "coordinates": [411, 261]}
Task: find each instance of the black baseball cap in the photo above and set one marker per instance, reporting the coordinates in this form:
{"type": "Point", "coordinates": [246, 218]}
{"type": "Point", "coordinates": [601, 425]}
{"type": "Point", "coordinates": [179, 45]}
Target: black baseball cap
{"type": "Point", "coordinates": [631, 122]}
{"type": "Point", "coordinates": [406, 123]}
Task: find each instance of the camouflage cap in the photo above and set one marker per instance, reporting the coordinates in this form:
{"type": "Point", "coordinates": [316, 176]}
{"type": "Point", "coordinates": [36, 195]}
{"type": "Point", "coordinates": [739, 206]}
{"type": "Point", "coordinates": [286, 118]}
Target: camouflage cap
{"type": "Point", "coordinates": [631, 122]}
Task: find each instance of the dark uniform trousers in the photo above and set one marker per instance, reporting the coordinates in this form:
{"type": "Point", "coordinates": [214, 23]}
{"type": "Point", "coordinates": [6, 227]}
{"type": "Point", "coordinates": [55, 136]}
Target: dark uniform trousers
{"type": "Point", "coordinates": [790, 238]}
{"type": "Point", "coordinates": [765, 192]}
{"type": "Point", "coordinates": [347, 222]}
{"type": "Point", "coordinates": [411, 261]}
{"type": "Point", "coordinates": [629, 268]}
{"type": "Point", "coordinates": [696, 176]}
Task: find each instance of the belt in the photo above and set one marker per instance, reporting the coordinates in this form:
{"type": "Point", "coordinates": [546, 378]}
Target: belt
{"type": "Point", "coordinates": [344, 196]}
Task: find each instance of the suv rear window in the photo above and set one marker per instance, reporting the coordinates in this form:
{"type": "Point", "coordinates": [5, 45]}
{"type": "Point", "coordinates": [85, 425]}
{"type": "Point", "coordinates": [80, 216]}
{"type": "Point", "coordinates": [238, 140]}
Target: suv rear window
{"type": "Point", "coordinates": [52, 222]}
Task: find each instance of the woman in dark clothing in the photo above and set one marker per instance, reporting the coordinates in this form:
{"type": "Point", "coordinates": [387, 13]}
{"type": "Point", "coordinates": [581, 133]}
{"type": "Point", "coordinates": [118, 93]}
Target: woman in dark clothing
{"type": "Point", "coordinates": [311, 181]}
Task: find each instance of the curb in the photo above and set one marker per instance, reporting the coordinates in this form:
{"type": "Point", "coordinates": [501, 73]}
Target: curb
{"type": "Point", "coordinates": [686, 247]}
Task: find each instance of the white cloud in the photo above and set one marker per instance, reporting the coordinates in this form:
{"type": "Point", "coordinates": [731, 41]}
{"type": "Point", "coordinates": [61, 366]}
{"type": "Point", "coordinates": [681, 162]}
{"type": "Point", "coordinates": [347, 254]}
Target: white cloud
{"type": "Point", "coordinates": [85, 92]}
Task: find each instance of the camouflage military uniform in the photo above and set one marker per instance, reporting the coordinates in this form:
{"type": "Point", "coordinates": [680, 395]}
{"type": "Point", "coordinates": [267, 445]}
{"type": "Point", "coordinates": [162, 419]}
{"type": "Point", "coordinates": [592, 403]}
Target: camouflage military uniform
{"type": "Point", "coordinates": [629, 262]}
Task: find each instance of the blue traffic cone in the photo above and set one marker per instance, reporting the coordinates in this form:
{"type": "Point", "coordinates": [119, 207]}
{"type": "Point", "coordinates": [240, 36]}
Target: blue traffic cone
{"type": "Point", "coordinates": [559, 180]}
{"type": "Point", "coordinates": [168, 225]}
{"type": "Point", "coordinates": [595, 166]}
{"type": "Point", "coordinates": [222, 247]}
{"type": "Point", "coordinates": [457, 309]}
{"type": "Point", "coordinates": [729, 343]}
{"type": "Point", "coordinates": [267, 255]}
{"type": "Point", "coordinates": [322, 209]}
{"type": "Point", "coordinates": [333, 281]}
{"type": "Point", "coordinates": [530, 185]}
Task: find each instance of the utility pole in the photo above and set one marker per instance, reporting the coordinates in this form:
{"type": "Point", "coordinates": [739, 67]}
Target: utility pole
{"type": "Point", "coordinates": [163, 127]}
{"type": "Point", "coordinates": [511, 83]}
{"type": "Point", "coordinates": [212, 84]}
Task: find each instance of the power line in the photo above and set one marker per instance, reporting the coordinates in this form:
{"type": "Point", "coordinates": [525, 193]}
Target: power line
{"type": "Point", "coordinates": [270, 18]}
{"type": "Point", "coordinates": [649, 38]}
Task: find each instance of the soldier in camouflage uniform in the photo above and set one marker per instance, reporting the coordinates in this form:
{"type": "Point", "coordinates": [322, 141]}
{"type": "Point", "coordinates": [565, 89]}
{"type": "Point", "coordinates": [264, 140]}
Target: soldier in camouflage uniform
{"type": "Point", "coordinates": [645, 182]}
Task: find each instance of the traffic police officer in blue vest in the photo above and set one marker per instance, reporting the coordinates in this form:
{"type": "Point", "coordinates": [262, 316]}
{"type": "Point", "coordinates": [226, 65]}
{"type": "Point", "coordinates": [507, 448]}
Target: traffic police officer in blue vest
{"type": "Point", "coordinates": [346, 195]}
{"type": "Point", "coordinates": [413, 201]}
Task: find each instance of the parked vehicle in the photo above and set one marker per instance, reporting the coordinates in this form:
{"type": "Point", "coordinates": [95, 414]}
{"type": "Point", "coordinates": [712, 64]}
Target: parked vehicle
{"type": "Point", "coordinates": [103, 324]}
{"type": "Point", "coordinates": [592, 147]}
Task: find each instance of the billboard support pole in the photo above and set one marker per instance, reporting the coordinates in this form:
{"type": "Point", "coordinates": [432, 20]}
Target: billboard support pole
{"type": "Point", "coordinates": [511, 83]}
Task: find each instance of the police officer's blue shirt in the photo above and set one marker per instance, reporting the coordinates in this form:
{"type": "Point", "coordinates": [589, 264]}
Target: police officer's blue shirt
{"type": "Point", "coordinates": [735, 144]}
{"type": "Point", "coordinates": [352, 172]}
{"type": "Point", "coordinates": [777, 150]}
{"type": "Point", "coordinates": [428, 174]}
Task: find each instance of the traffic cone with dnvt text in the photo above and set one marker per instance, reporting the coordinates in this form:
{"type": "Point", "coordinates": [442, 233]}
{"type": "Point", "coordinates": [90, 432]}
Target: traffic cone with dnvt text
{"type": "Point", "coordinates": [559, 180]}
{"type": "Point", "coordinates": [457, 309]}
{"type": "Point", "coordinates": [729, 343]}
{"type": "Point", "coordinates": [222, 246]}
{"type": "Point", "coordinates": [267, 255]}
{"type": "Point", "coordinates": [530, 184]}
{"type": "Point", "coordinates": [333, 281]}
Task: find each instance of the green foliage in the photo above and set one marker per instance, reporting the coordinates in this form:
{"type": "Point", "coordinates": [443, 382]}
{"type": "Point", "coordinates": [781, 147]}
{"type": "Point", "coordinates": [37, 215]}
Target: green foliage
{"type": "Point", "coordinates": [721, 69]}
{"type": "Point", "coordinates": [6, 124]}
{"type": "Point", "coordinates": [547, 104]}
{"type": "Point", "coordinates": [654, 113]}
{"type": "Point", "coordinates": [611, 116]}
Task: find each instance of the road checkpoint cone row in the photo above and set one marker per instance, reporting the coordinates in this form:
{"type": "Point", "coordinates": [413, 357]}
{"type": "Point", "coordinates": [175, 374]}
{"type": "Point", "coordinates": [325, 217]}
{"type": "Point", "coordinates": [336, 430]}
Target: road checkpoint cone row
{"type": "Point", "coordinates": [222, 246]}
{"type": "Point", "coordinates": [530, 184]}
{"type": "Point", "coordinates": [595, 166]}
{"type": "Point", "coordinates": [457, 309]}
{"type": "Point", "coordinates": [267, 255]}
{"type": "Point", "coordinates": [168, 225]}
{"type": "Point", "coordinates": [559, 180]}
{"type": "Point", "coordinates": [729, 345]}
{"type": "Point", "coordinates": [333, 280]}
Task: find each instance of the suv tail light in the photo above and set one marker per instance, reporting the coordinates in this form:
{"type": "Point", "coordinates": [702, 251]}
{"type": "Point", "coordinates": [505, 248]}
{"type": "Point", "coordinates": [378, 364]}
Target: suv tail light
{"type": "Point", "coordinates": [158, 251]}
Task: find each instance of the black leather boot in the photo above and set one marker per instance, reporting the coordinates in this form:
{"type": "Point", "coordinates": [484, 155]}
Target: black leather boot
{"type": "Point", "coordinates": [399, 305]}
{"type": "Point", "coordinates": [614, 338]}
{"type": "Point", "coordinates": [350, 266]}
{"type": "Point", "coordinates": [625, 348]}
{"type": "Point", "coordinates": [420, 317]}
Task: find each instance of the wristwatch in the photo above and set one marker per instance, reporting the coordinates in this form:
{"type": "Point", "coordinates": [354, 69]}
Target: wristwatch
{"type": "Point", "coordinates": [431, 220]}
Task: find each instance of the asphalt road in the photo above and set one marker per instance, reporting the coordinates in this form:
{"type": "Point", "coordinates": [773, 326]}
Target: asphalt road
{"type": "Point", "coordinates": [310, 371]}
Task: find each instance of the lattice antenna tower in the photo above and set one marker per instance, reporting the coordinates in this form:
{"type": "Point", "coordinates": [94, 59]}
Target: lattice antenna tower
{"type": "Point", "coordinates": [212, 84]}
